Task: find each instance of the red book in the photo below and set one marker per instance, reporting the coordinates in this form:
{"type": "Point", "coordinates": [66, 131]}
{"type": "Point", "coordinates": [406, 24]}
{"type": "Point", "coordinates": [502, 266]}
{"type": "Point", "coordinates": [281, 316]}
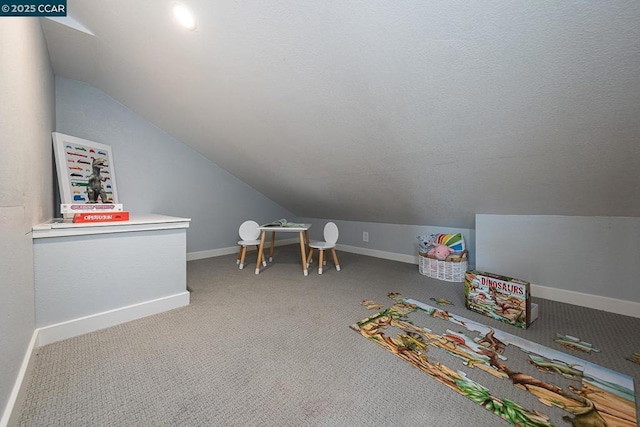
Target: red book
{"type": "Point", "coordinates": [101, 217]}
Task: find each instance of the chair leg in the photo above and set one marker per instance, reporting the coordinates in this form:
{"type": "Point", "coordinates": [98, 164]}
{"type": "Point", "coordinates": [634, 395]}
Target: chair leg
{"type": "Point", "coordinates": [273, 243]}
{"type": "Point", "coordinates": [243, 253]}
{"type": "Point", "coordinates": [309, 257]}
{"type": "Point", "coordinates": [335, 259]}
{"type": "Point", "coordinates": [320, 260]}
{"type": "Point", "coordinates": [239, 254]}
{"type": "Point", "coordinates": [264, 260]}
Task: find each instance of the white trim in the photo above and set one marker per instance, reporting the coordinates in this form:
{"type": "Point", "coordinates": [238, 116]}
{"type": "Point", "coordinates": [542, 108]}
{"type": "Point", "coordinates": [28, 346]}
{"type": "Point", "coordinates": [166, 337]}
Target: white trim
{"type": "Point", "coordinates": [627, 308]}
{"type": "Point", "coordinates": [137, 222]}
{"type": "Point", "coordinates": [192, 256]}
{"type": "Point", "coordinates": [13, 397]}
{"type": "Point", "coordinates": [52, 333]}
{"type": "Point", "coordinates": [409, 259]}
{"type": "Point", "coordinates": [83, 325]}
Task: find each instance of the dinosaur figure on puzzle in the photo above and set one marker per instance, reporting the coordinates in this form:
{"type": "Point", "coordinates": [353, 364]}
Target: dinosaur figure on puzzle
{"type": "Point", "coordinates": [94, 186]}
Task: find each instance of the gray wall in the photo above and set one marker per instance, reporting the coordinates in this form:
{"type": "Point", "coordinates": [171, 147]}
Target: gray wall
{"type": "Point", "coordinates": [399, 239]}
{"type": "Point", "coordinates": [156, 173]}
{"type": "Point", "coordinates": [26, 196]}
{"type": "Point", "coordinates": [590, 255]}
{"type": "Point", "coordinates": [63, 293]}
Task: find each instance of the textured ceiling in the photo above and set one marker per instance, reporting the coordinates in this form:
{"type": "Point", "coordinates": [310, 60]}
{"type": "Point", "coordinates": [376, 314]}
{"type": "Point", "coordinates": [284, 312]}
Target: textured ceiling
{"type": "Point", "coordinates": [408, 112]}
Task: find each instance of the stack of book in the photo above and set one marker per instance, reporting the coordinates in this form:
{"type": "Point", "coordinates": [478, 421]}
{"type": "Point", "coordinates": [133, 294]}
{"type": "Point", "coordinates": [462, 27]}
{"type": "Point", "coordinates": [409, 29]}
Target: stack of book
{"type": "Point", "coordinates": [94, 212]}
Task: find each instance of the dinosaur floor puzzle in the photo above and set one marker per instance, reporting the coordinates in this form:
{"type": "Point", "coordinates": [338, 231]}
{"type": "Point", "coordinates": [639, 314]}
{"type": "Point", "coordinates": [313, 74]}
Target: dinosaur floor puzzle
{"type": "Point", "coordinates": [585, 393]}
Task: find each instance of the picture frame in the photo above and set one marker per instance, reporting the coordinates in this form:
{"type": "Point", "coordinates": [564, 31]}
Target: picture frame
{"type": "Point", "coordinates": [74, 157]}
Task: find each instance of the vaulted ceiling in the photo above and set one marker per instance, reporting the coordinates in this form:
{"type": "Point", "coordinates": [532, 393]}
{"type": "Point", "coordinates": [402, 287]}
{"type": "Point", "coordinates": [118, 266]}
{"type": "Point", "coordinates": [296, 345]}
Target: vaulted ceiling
{"type": "Point", "coordinates": [409, 112]}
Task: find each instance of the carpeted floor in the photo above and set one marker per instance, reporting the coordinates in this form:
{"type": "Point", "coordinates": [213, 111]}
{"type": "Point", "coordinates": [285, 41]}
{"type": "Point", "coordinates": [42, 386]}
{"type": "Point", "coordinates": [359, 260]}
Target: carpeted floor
{"type": "Point", "coordinates": [276, 350]}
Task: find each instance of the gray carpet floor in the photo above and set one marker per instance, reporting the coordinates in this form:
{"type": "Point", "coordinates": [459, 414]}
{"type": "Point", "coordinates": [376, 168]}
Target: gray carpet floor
{"type": "Point", "coordinates": [276, 350]}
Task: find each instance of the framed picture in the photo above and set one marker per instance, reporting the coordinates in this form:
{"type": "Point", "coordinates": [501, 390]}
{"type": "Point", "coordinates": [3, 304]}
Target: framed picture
{"type": "Point", "coordinates": [85, 170]}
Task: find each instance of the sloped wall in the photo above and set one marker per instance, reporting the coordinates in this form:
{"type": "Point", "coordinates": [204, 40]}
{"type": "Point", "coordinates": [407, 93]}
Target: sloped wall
{"type": "Point", "coordinates": [156, 173]}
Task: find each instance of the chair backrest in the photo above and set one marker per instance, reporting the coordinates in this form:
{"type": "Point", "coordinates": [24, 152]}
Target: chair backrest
{"type": "Point", "coordinates": [249, 230]}
{"type": "Point", "coordinates": [331, 233]}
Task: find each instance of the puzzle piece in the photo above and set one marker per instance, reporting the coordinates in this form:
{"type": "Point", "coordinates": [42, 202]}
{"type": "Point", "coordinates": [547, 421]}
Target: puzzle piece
{"type": "Point", "coordinates": [573, 343]}
{"type": "Point", "coordinates": [371, 305]}
{"type": "Point", "coordinates": [442, 301]}
{"type": "Point", "coordinates": [635, 358]}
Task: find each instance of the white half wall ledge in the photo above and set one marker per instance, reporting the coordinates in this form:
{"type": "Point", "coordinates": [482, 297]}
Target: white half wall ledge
{"type": "Point", "coordinates": [137, 222]}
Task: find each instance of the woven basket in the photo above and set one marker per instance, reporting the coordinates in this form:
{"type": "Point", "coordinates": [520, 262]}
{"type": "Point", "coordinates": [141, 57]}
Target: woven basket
{"type": "Point", "coordinates": [450, 271]}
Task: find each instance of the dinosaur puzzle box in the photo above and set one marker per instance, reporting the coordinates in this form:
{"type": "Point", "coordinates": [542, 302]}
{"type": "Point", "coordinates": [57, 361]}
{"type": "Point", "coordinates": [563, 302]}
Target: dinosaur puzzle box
{"type": "Point", "coordinates": [500, 297]}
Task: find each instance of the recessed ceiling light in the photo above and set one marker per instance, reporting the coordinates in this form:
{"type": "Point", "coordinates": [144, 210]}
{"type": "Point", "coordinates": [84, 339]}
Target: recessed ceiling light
{"type": "Point", "coordinates": [184, 16]}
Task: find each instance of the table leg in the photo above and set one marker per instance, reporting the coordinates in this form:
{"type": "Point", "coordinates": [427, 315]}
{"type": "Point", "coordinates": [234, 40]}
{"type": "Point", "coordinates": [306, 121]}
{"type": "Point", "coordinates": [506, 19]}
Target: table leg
{"type": "Point", "coordinates": [273, 242]}
{"type": "Point", "coordinates": [260, 249]}
{"type": "Point", "coordinates": [303, 253]}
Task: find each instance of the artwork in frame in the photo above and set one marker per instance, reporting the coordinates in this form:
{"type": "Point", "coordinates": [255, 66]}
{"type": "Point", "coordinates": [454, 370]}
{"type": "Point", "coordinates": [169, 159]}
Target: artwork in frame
{"type": "Point", "coordinates": [85, 170]}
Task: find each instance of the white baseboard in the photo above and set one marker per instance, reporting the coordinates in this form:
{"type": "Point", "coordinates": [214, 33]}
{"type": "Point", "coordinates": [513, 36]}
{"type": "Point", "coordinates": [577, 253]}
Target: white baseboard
{"type": "Point", "coordinates": [71, 328]}
{"type": "Point", "coordinates": [627, 308]}
{"type": "Point", "coordinates": [409, 259]}
{"type": "Point", "coordinates": [60, 331]}
{"type": "Point", "coordinates": [192, 256]}
{"type": "Point", "coordinates": [15, 392]}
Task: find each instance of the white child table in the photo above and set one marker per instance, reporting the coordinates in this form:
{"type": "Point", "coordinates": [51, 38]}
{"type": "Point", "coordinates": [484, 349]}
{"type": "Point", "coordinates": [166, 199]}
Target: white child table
{"type": "Point", "coordinates": [303, 232]}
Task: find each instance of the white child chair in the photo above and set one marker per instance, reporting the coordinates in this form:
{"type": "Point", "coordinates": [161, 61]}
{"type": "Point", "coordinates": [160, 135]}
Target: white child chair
{"type": "Point", "coordinates": [249, 236]}
{"type": "Point", "coordinates": [330, 238]}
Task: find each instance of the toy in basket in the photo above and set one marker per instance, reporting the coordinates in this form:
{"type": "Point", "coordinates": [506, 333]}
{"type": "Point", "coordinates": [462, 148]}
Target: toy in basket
{"type": "Point", "coordinates": [443, 256]}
